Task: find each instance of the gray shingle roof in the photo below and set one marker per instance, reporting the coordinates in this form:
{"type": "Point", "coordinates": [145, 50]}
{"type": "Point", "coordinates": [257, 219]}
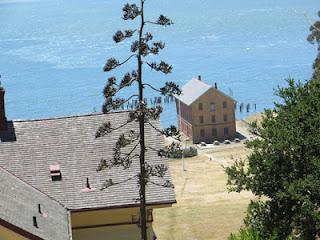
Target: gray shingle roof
{"type": "Point", "coordinates": [193, 89]}
{"type": "Point", "coordinates": [19, 203]}
{"type": "Point", "coordinates": [70, 142]}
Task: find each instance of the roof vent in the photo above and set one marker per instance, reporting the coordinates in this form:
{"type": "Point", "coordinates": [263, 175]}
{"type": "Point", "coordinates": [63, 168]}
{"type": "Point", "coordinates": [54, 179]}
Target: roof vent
{"type": "Point", "coordinates": [55, 172]}
{"type": "Point", "coordinates": [3, 119]}
{"type": "Point", "coordinates": [88, 188]}
{"type": "Point", "coordinates": [39, 208]}
{"type": "Point", "coordinates": [35, 223]}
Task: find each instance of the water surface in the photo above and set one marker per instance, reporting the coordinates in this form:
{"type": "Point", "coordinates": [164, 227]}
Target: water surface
{"type": "Point", "coordinates": [52, 51]}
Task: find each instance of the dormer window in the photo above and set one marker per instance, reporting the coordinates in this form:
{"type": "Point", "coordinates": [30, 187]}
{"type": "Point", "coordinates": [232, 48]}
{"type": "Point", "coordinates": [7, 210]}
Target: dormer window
{"type": "Point", "coordinates": [55, 172]}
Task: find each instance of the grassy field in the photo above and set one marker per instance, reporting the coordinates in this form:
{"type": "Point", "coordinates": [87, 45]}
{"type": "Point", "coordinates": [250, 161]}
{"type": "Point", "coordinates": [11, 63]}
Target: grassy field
{"type": "Point", "coordinates": [205, 209]}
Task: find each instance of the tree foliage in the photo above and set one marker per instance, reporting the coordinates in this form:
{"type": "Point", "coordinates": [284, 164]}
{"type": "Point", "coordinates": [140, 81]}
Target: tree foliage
{"type": "Point", "coordinates": [314, 38]}
{"type": "Point", "coordinates": [140, 49]}
{"type": "Point", "coordinates": [284, 166]}
{"type": "Point", "coordinates": [283, 169]}
{"type": "Point", "coordinates": [246, 234]}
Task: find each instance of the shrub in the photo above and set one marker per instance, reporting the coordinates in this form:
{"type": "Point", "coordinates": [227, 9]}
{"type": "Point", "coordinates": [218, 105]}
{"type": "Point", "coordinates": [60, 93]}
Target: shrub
{"type": "Point", "coordinates": [187, 152]}
{"type": "Point", "coordinates": [245, 234]}
{"type": "Point", "coordinates": [251, 234]}
{"type": "Point", "coordinates": [190, 152]}
{"type": "Point", "coordinates": [176, 153]}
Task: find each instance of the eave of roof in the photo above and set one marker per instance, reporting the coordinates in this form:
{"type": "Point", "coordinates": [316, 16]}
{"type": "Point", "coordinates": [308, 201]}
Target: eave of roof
{"type": "Point", "coordinates": [124, 206]}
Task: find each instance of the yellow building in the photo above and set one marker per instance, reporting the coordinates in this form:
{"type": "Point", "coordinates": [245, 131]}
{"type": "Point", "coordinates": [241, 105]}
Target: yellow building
{"type": "Point", "coordinates": [204, 113]}
{"type": "Point", "coordinates": [60, 156]}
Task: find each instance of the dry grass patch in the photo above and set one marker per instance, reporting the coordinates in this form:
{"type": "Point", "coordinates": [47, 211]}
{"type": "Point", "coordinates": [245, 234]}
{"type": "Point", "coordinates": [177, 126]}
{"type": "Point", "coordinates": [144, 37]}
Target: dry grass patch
{"type": "Point", "coordinates": [205, 210]}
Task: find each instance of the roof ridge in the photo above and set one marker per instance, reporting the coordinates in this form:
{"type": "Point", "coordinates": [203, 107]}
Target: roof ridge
{"type": "Point", "coordinates": [71, 116]}
{"type": "Point", "coordinates": [35, 188]}
{"type": "Point", "coordinates": [200, 81]}
{"type": "Point", "coordinates": [216, 89]}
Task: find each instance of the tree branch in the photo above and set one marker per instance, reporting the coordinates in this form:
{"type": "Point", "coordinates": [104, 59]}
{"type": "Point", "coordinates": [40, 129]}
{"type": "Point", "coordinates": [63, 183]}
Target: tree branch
{"type": "Point", "coordinates": [158, 170]}
{"type": "Point", "coordinates": [150, 22]}
{"type": "Point", "coordinates": [166, 184]}
{"type": "Point", "coordinates": [113, 63]}
{"type": "Point", "coordinates": [119, 36]}
{"type": "Point", "coordinates": [108, 183]}
{"type": "Point", "coordinates": [131, 11]}
{"type": "Point", "coordinates": [106, 128]}
{"type": "Point", "coordinates": [310, 22]}
{"type": "Point", "coordinates": [153, 88]}
{"type": "Point", "coordinates": [171, 131]}
{"type": "Point", "coordinates": [111, 104]}
{"type": "Point", "coordinates": [162, 67]}
{"type": "Point", "coordinates": [132, 150]}
{"type": "Point", "coordinates": [162, 20]}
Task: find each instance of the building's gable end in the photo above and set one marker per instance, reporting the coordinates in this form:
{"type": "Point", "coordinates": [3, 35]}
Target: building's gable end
{"type": "Point", "coordinates": [223, 94]}
{"type": "Point", "coordinates": [194, 105]}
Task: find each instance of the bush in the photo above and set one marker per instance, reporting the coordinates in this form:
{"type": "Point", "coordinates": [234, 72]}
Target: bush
{"type": "Point", "coordinates": [176, 153]}
{"type": "Point", "coordinates": [190, 152]}
{"type": "Point", "coordinates": [251, 234]}
{"type": "Point", "coordinates": [187, 152]}
{"type": "Point", "coordinates": [245, 234]}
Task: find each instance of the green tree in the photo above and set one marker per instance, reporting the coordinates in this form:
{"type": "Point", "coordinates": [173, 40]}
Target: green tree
{"type": "Point", "coordinates": [284, 166]}
{"type": "Point", "coordinates": [283, 169]}
{"type": "Point", "coordinates": [140, 49]}
{"type": "Point", "coordinates": [314, 38]}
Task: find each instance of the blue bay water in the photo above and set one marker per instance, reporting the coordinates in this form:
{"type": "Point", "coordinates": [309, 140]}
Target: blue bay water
{"type": "Point", "coordinates": [52, 51]}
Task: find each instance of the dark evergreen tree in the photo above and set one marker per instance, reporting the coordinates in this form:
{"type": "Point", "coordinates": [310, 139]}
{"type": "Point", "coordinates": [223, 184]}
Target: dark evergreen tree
{"type": "Point", "coordinates": [283, 169]}
{"type": "Point", "coordinates": [141, 48]}
{"type": "Point", "coordinates": [314, 37]}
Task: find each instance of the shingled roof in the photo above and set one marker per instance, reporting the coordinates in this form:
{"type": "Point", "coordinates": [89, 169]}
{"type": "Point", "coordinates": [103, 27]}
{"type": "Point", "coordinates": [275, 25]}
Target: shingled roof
{"type": "Point", "coordinates": [30, 147]}
{"type": "Point", "coordinates": [19, 204]}
{"type": "Point", "coordinates": [193, 89]}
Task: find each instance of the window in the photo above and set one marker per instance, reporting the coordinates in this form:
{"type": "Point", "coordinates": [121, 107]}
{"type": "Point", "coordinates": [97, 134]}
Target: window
{"type": "Point", "coordinates": [200, 106]}
{"type": "Point", "coordinates": [212, 107]}
{"type": "Point", "coordinates": [202, 133]}
{"type": "Point", "coordinates": [213, 118]}
{"type": "Point", "coordinates": [225, 117]}
{"type": "Point", "coordinates": [214, 132]}
{"type": "Point", "coordinates": [226, 131]}
{"type": "Point", "coordinates": [225, 105]}
{"type": "Point", "coordinates": [201, 119]}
